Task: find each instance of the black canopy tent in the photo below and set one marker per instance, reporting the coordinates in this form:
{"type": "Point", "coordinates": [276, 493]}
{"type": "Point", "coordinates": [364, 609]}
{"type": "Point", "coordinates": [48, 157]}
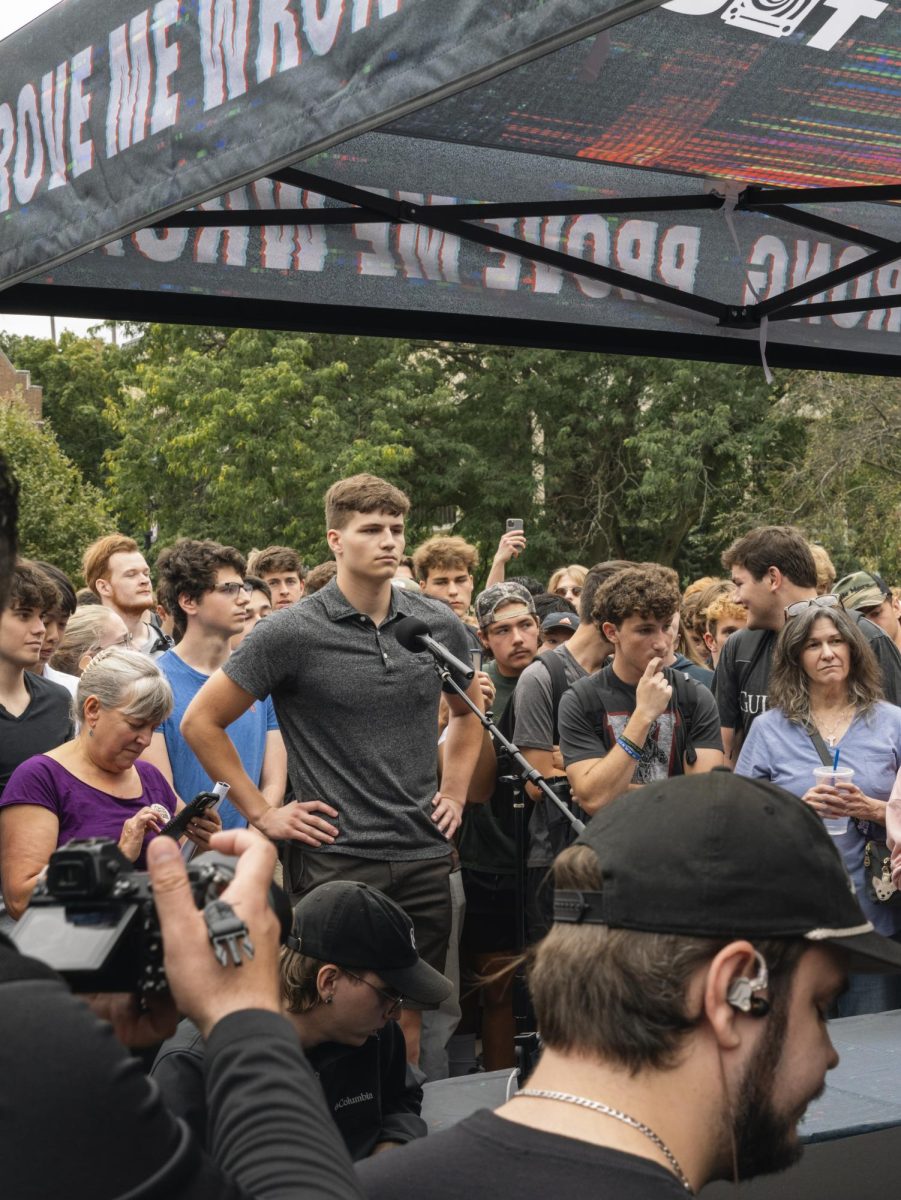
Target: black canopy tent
{"type": "Point", "coordinates": [698, 179]}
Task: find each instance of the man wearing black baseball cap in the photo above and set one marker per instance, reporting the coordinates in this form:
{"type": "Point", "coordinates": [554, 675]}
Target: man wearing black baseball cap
{"type": "Point", "coordinates": [681, 996]}
{"type": "Point", "coordinates": [349, 967]}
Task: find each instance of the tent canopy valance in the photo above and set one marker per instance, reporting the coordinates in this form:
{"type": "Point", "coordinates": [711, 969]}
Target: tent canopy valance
{"type": "Point", "coordinates": [691, 179]}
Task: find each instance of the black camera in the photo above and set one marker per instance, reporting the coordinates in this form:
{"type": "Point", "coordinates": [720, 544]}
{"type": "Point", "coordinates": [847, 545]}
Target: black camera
{"type": "Point", "coordinates": [93, 918]}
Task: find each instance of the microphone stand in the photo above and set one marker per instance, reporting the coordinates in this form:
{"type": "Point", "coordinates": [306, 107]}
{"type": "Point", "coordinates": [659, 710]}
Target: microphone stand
{"type": "Point", "coordinates": [527, 1042]}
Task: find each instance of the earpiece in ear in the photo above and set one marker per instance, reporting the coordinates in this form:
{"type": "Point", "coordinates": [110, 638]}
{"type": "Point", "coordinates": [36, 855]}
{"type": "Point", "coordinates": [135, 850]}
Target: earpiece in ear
{"type": "Point", "coordinates": [741, 991]}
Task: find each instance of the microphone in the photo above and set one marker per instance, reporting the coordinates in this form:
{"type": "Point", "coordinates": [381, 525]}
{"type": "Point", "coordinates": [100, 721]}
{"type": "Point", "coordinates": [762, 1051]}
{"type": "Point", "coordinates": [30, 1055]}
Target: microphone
{"type": "Point", "coordinates": [414, 635]}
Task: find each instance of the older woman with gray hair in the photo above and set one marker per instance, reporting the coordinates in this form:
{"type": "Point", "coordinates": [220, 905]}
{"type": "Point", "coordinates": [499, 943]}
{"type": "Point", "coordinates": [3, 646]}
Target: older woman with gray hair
{"type": "Point", "coordinates": [95, 785]}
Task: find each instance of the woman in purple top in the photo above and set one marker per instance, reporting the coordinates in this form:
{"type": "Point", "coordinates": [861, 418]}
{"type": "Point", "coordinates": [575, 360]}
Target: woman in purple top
{"type": "Point", "coordinates": [93, 786]}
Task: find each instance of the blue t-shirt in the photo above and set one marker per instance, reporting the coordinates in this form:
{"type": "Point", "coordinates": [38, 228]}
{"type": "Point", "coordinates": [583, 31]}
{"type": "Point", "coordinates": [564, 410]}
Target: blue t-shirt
{"type": "Point", "coordinates": [778, 749]}
{"type": "Point", "coordinates": [248, 734]}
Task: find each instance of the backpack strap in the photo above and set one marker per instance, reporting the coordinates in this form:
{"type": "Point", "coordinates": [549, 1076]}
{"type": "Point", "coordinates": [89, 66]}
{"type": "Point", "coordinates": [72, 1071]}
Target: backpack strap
{"type": "Point", "coordinates": [685, 698]}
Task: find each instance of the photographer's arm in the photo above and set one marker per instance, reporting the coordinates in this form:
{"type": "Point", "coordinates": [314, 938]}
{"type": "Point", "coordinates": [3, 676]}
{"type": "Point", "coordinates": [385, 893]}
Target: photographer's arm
{"type": "Point", "coordinates": [268, 1125]}
{"type": "Point", "coordinates": [28, 836]}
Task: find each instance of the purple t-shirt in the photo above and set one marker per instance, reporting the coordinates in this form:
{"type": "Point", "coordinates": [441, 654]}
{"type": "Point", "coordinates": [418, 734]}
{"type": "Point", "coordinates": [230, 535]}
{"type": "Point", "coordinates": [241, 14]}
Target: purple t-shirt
{"type": "Point", "coordinates": [84, 811]}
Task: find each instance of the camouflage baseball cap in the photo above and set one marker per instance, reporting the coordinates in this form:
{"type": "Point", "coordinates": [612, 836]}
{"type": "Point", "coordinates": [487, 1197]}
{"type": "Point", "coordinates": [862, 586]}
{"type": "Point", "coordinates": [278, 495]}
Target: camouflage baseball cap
{"type": "Point", "coordinates": [862, 589]}
{"type": "Point", "coordinates": [499, 594]}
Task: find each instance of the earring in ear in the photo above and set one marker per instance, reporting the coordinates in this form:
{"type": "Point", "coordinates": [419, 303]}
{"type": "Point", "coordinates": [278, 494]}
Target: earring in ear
{"type": "Point", "coordinates": [91, 731]}
{"type": "Point", "coordinates": [329, 999]}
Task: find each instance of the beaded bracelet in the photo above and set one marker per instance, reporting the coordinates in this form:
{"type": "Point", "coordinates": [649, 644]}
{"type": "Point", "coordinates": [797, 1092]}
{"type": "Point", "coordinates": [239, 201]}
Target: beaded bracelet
{"type": "Point", "coordinates": [629, 749]}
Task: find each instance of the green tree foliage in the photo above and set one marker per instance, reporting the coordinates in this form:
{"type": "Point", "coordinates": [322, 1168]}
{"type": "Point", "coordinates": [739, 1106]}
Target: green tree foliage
{"type": "Point", "coordinates": [59, 513]}
{"type": "Point", "coordinates": [236, 435]}
{"type": "Point", "coordinates": [636, 458]}
{"type": "Point", "coordinates": [845, 488]}
{"type": "Point", "coordinates": [78, 376]}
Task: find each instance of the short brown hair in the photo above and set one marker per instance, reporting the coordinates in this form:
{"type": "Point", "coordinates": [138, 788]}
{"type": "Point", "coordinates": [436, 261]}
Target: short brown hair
{"type": "Point", "coordinates": [362, 494]}
{"type": "Point", "coordinates": [95, 563]}
{"type": "Point", "coordinates": [189, 568]}
{"type": "Point", "coordinates": [274, 558]}
{"type": "Point", "coordinates": [780, 546]}
{"type": "Point", "coordinates": [30, 588]}
{"type": "Point", "coordinates": [647, 590]}
{"type": "Point", "coordinates": [619, 994]}
{"type": "Point", "coordinates": [320, 575]}
{"type": "Point", "coordinates": [444, 554]}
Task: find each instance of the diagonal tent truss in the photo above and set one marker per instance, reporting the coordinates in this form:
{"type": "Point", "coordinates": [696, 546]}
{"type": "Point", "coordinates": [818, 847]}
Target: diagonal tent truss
{"type": "Point", "coordinates": [692, 180]}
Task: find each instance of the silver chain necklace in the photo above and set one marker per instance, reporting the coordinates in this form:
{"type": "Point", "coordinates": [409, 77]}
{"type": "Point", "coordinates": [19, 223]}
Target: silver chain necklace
{"type": "Point", "coordinates": [597, 1106]}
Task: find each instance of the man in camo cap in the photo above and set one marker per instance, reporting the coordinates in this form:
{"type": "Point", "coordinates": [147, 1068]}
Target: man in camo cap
{"type": "Point", "coordinates": [868, 593]}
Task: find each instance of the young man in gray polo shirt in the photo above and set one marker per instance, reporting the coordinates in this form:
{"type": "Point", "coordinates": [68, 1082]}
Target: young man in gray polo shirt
{"type": "Point", "coordinates": [359, 716]}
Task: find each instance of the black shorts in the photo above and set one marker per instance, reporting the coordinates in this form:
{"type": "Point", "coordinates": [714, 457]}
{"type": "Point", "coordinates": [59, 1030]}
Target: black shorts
{"type": "Point", "coordinates": [490, 921]}
{"type": "Point", "coordinates": [420, 886]}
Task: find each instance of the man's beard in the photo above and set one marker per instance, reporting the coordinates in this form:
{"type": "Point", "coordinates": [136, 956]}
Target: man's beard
{"type": "Point", "coordinates": [766, 1140]}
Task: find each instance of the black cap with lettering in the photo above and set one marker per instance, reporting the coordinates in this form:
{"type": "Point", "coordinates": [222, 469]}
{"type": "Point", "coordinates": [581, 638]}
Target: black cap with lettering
{"type": "Point", "coordinates": [353, 925]}
{"type": "Point", "coordinates": [721, 855]}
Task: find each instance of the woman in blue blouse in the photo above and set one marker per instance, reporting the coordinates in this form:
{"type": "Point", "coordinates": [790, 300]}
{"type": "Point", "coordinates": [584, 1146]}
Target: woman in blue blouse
{"type": "Point", "coordinates": [825, 679]}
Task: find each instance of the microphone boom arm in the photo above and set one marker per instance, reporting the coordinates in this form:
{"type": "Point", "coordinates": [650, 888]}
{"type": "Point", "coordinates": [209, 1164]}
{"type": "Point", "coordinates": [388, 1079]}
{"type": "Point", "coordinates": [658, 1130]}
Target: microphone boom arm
{"type": "Point", "coordinates": [527, 772]}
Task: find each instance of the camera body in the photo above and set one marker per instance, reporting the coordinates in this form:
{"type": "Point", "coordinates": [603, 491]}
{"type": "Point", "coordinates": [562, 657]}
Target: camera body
{"type": "Point", "coordinates": [94, 920]}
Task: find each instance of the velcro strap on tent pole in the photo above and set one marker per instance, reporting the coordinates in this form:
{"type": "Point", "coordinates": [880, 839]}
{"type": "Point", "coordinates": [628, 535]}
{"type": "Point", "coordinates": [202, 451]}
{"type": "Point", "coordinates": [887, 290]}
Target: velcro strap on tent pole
{"type": "Point", "coordinates": [730, 194]}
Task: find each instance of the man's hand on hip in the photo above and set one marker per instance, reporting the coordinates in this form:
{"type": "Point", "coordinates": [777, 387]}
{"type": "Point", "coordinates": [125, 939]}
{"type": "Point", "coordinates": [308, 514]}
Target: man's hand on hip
{"type": "Point", "coordinates": [298, 822]}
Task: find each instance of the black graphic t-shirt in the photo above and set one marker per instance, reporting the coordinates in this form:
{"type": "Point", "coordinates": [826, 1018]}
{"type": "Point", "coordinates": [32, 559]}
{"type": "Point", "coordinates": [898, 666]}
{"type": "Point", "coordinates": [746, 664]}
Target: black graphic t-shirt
{"type": "Point", "coordinates": [596, 710]}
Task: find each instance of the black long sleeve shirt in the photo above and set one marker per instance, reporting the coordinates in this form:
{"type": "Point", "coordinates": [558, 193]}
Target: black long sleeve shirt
{"type": "Point", "coordinates": [78, 1117]}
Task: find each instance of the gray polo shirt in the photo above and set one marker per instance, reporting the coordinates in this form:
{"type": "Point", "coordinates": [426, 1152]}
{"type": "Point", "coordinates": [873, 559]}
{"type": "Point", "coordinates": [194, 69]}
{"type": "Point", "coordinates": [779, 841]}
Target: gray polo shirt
{"type": "Point", "coordinates": [359, 715]}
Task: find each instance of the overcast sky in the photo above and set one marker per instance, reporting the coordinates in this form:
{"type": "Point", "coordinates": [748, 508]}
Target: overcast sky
{"type": "Point", "coordinates": [13, 14]}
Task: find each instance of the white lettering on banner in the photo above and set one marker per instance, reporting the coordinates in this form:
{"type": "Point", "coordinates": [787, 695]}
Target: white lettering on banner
{"type": "Point", "coordinates": [81, 154]}
{"type": "Point", "coordinates": [236, 238]}
{"type": "Point", "coordinates": [166, 55]}
{"type": "Point", "coordinates": [590, 231]}
{"type": "Point", "coordinates": [635, 245]}
{"type": "Point", "coordinates": [846, 14]}
{"type": "Point", "coordinates": [161, 245]}
{"type": "Point", "coordinates": [54, 86]}
{"type": "Point", "coordinates": [888, 283]}
{"type": "Point", "coordinates": [130, 83]}
{"type": "Point", "coordinates": [290, 247]}
{"type": "Point", "coordinates": [363, 8]}
{"type": "Point", "coordinates": [322, 28]}
{"type": "Point", "coordinates": [29, 145]}
{"type": "Point", "coordinates": [862, 285]}
{"type": "Point", "coordinates": [767, 269]}
{"type": "Point", "coordinates": [428, 253]}
{"type": "Point", "coordinates": [7, 146]}
{"type": "Point", "coordinates": [223, 49]}
{"type": "Point", "coordinates": [678, 255]}
{"type": "Point", "coordinates": [806, 267]}
{"type": "Point", "coordinates": [42, 132]}
{"type": "Point", "coordinates": [224, 245]}
{"type": "Point", "coordinates": [276, 18]}
{"type": "Point", "coordinates": [547, 232]}
{"type": "Point", "coordinates": [771, 263]}
{"type": "Point", "coordinates": [780, 18]}
{"type": "Point", "coordinates": [378, 260]}
{"type": "Point", "coordinates": [505, 276]}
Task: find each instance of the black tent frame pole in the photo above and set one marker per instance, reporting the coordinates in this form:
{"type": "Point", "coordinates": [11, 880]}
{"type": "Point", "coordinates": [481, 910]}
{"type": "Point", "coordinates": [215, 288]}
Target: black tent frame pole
{"type": "Point", "coordinates": [365, 207]}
